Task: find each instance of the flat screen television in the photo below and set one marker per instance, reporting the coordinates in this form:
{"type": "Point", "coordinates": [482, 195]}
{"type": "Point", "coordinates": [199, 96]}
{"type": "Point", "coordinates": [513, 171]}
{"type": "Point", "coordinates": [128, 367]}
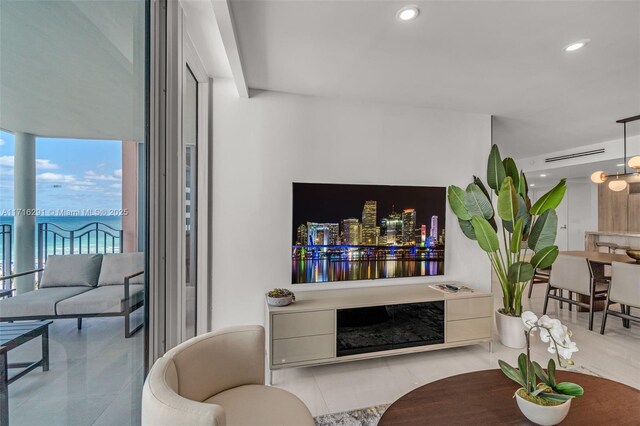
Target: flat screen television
{"type": "Point", "coordinates": [365, 232]}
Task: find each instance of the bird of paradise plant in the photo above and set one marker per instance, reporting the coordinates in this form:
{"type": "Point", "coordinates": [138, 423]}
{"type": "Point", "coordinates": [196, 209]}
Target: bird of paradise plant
{"type": "Point", "coordinates": [532, 227]}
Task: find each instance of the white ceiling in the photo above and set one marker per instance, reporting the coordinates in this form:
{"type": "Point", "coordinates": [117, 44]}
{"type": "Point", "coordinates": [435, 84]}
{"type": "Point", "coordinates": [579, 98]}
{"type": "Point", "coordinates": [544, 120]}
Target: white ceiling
{"type": "Point", "coordinates": [72, 68]}
{"type": "Point", "coordinates": [500, 58]}
{"type": "Point", "coordinates": [576, 172]}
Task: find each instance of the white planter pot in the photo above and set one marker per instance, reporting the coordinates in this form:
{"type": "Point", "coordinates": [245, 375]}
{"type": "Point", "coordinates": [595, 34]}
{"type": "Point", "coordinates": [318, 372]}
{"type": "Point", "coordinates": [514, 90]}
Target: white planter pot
{"type": "Point", "coordinates": [511, 331]}
{"type": "Point", "coordinates": [541, 414]}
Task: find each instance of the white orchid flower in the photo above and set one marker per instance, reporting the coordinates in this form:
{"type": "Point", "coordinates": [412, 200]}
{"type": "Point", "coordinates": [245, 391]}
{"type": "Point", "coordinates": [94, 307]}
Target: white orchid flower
{"type": "Point", "coordinates": [557, 330]}
{"type": "Point", "coordinates": [545, 321]}
{"type": "Point", "coordinates": [529, 319]}
{"type": "Point", "coordinates": [544, 335]}
{"type": "Point", "coordinates": [567, 351]}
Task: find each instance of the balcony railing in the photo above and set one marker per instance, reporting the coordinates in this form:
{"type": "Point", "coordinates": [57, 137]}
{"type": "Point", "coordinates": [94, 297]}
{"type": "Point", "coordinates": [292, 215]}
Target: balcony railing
{"type": "Point", "coordinates": [94, 237]}
{"type": "Point", "coordinates": [5, 249]}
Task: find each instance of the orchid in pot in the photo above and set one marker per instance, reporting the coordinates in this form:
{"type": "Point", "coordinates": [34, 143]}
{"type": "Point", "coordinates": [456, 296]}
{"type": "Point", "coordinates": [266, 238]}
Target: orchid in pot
{"type": "Point", "coordinates": [525, 230]}
{"type": "Point", "coordinates": [547, 402]}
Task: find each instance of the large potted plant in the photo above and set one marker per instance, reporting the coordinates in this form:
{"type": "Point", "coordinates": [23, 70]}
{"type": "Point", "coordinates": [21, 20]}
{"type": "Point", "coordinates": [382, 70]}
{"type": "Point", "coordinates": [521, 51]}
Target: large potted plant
{"type": "Point", "coordinates": [527, 233]}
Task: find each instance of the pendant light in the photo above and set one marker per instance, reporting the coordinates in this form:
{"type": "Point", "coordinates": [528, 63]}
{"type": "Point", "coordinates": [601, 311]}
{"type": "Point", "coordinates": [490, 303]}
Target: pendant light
{"type": "Point", "coordinates": [618, 184]}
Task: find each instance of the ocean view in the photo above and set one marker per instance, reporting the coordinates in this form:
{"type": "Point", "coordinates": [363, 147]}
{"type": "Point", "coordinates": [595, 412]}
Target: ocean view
{"type": "Point", "coordinates": [88, 243]}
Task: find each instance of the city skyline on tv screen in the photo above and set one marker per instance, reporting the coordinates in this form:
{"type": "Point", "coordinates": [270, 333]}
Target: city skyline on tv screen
{"type": "Point", "coordinates": [343, 232]}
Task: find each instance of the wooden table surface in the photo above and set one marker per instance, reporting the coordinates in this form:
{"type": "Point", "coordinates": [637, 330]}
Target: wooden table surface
{"type": "Point", "coordinates": [597, 257]}
{"type": "Point", "coordinates": [486, 398]}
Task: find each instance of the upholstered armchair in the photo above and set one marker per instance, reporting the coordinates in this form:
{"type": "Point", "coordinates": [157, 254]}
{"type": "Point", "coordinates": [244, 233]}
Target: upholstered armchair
{"type": "Point", "coordinates": [217, 379]}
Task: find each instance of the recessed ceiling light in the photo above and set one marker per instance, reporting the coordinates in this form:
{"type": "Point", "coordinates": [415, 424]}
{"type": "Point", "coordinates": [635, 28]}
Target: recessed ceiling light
{"type": "Point", "coordinates": [543, 175]}
{"type": "Point", "coordinates": [408, 13]}
{"type": "Point", "coordinates": [620, 165]}
{"type": "Point", "coordinates": [577, 45]}
{"type": "Point", "coordinates": [532, 184]}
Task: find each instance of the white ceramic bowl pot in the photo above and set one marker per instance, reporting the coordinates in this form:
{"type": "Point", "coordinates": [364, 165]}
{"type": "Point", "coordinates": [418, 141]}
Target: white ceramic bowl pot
{"type": "Point", "coordinates": [545, 415]}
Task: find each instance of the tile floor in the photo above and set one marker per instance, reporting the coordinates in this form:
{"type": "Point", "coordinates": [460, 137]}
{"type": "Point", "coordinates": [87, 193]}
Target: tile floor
{"type": "Point", "coordinates": [348, 386]}
{"type": "Point", "coordinates": [96, 374]}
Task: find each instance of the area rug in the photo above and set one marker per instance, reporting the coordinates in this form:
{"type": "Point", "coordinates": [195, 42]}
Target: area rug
{"type": "Point", "coordinates": [362, 417]}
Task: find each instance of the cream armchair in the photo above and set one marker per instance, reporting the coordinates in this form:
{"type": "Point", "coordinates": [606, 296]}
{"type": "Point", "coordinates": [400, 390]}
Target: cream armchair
{"type": "Point", "coordinates": [217, 379]}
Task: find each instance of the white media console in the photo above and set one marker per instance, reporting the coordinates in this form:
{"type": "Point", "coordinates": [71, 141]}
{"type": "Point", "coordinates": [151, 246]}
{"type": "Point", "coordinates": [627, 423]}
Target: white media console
{"type": "Point", "coordinates": [330, 326]}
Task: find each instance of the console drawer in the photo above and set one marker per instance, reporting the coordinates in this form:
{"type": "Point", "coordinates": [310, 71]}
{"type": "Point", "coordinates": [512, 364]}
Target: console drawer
{"type": "Point", "coordinates": [471, 329]}
{"type": "Point", "coordinates": [300, 349]}
{"type": "Point", "coordinates": [303, 324]}
{"type": "Point", "coordinates": [473, 307]}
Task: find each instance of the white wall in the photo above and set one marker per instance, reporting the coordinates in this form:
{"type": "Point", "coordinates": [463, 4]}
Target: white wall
{"type": "Point", "coordinates": [578, 212]}
{"type": "Point", "coordinates": [263, 144]}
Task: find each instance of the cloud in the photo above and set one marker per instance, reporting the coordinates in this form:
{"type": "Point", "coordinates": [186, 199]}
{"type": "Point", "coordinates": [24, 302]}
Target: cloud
{"type": "Point", "coordinates": [95, 176]}
{"type": "Point", "coordinates": [55, 178]}
{"type": "Point", "coordinates": [6, 161]}
{"type": "Point", "coordinates": [118, 173]}
{"type": "Point", "coordinates": [116, 185]}
{"type": "Point", "coordinates": [1, 142]}
{"type": "Point", "coordinates": [42, 164]}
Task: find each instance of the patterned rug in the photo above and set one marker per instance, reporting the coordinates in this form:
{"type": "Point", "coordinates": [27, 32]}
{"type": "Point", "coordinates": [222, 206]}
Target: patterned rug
{"type": "Point", "coordinates": [362, 417]}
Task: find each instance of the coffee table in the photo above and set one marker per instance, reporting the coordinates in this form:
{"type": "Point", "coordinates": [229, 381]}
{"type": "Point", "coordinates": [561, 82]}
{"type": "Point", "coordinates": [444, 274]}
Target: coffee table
{"type": "Point", "coordinates": [13, 335]}
{"type": "Point", "coordinates": [486, 398]}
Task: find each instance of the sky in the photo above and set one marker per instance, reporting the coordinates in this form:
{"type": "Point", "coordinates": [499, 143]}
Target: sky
{"type": "Point", "coordinates": [330, 203]}
{"type": "Point", "coordinates": [71, 174]}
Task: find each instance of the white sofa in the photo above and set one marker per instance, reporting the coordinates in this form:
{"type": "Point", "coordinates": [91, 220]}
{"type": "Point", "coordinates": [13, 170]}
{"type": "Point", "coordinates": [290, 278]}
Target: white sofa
{"type": "Point", "coordinates": [217, 379]}
{"type": "Point", "coordinates": [81, 286]}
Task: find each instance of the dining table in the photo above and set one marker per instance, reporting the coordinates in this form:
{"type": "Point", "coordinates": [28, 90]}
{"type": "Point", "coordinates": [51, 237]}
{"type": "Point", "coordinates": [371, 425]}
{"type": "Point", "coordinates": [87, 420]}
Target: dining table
{"type": "Point", "coordinates": [601, 258]}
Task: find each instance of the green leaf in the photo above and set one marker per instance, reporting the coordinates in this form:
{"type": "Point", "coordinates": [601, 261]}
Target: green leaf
{"type": "Point", "coordinates": [511, 373]}
{"type": "Point", "coordinates": [508, 225]}
{"type": "Point", "coordinates": [516, 236]}
{"type": "Point", "coordinates": [523, 190]}
{"type": "Point", "coordinates": [507, 200]}
{"type": "Point", "coordinates": [551, 199]}
{"type": "Point", "coordinates": [511, 170]}
{"type": "Point", "coordinates": [520, 272]}
{"type": "Point", "coordinates": [545, 257]}
{"type": "Point", "coordinates": [540, 373]}
{"type": "Point", "coordinates": [568, 388]}
{"type": "Point", "coordinates": [555, 397]}
{"type": "Point", "coordinates": [477, 203]}
{"type": "Point", "coordinates": [551, 372]}
{"type": "Point", "coordinates": [456, 201]}
{"type": "Point", "coordinates": [543, 233]}
{"type": "Point", "coordinates": [480, 184]}
{"type": "Point", "coordinates": [495, 169]}
{"type": "Point", "coordinates": [522, 366]}
{"type": "Point", "coordinates": [523, 212]}
{"type": "Point", "coordinates": [485, 234]}
{"type": "Point", "coordinates": [467, 229]}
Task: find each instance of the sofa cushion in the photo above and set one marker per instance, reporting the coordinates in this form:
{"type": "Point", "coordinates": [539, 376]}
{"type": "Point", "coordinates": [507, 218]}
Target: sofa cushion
{"type": "Point", "coordinates": [268, 406]}
{"type": "Point", "coordinates": [117, 266]}
{"type": "Point", "coordinates": [38, 302]}
{"type": "Point", "coordinates": [100, 300]}
{"type": "Point", "coordinates": [71, 270]}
